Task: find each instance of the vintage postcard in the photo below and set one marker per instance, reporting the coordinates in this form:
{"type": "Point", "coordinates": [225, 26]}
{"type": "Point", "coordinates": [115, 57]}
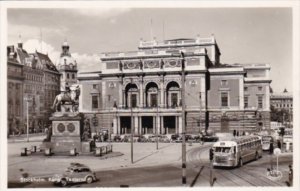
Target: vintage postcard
{"type": "Point", "coordinates": [158, 95]}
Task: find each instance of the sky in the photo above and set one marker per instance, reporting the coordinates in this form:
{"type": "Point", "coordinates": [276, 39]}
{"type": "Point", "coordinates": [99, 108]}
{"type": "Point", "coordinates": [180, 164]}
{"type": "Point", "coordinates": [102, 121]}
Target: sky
{"type": "Point", "coordinates": [244, 35]}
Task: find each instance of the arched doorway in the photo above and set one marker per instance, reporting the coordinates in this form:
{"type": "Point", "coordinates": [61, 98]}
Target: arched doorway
{"type": "Point", "coordinates": [152, 95]}
{"type": "Point", "coordinates": [173, 94]}
{"type": "Point", "coordinates": [131, 95]}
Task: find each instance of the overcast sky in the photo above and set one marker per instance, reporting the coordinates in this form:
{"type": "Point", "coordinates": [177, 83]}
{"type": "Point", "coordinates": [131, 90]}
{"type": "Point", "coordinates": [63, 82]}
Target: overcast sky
{"type": "Point", "coordinates": [244, 35]}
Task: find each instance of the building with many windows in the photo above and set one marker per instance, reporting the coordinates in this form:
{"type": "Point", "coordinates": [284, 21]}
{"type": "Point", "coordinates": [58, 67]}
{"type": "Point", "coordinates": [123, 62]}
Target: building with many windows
{"type": "Point", "coordinates": [38, 87]}
{"type": "Point", "coordinates": [145, 86]}
{"type": "Point", "coordinates": [15, 80]}
{"type": "Point", "coordinates": [282, 100]}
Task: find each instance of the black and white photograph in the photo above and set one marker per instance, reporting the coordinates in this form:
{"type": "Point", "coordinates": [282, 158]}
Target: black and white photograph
{"type": "Point", "coordinates": [149, 95]}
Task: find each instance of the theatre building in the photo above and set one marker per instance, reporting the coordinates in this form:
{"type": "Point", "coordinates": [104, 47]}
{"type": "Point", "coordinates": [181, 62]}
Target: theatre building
{"type": "Point", "coordinates": [143, 88]}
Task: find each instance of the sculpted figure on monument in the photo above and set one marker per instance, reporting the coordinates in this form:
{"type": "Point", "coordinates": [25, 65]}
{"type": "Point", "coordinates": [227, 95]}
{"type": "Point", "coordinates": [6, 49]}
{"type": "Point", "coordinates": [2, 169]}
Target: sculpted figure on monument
{"type": "Point", "coordinates": [70, 95]}
{"type": "Point", "coordinates": [86, 130]}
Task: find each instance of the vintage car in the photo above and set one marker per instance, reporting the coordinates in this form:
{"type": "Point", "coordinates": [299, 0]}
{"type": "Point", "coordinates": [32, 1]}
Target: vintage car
{"type": "Point", "coordinates": [75, 173]}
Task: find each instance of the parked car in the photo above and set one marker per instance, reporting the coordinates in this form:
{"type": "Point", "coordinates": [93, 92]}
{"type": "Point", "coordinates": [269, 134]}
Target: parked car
{"type": "Point", "coordinates": [75, 173]}
{"type": "Point", "coordinates": [143, 139]}
{"type": "Point", "coordinates": [164, 139]}
{"type": "Point", "coordinates": [174, 137]}
{"type": "Point", "coordinates": [117, 138]}
{"type": "Point", "coordinates": [152, 138]}
{"type": "Point", "coordinates": [147, 136]}
{"type": "Point", "coordinates": [125, 137]}
{"type": "Point", "coordinates": [193, 138]}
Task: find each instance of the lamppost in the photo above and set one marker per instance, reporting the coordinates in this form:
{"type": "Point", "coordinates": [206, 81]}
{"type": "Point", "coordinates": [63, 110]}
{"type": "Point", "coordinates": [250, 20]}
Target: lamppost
{"type": "Point", "coordinates": [183, 118]}
{"type": "Point", "coordinates": [200, 112]}
{"type": "Point", "coordinates": [156, 126]}
{"type": "Point", "coordinates": [27, 99]}
{"type": "Point", "coordinates": [131, 122]}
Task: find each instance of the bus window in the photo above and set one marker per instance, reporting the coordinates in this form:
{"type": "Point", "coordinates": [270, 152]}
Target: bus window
{"type": "Point", "coordinates": [222, 149]}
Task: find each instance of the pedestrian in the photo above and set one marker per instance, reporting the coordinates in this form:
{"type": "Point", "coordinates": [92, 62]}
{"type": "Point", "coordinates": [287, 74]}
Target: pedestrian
{"type": "Point", "coordinates": [279, 144]}
{"type": "Point", "coordinates": [290, 175]}
{"type": "Point", "coordinates": [271, 148]}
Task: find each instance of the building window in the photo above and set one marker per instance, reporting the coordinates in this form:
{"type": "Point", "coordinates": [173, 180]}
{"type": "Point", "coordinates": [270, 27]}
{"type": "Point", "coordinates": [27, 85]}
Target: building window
{"type": "Point", "coordinates": [94, 102]}
{"type": "Point", "coordinates": [133, 100]}
{"type": "Point", "coordinates": [224, 83]}
{"type": "Point", "coordinates": [224, 99]}
{"type": "Point", "coordinates": [246, 102]}
{"type": "Point", "coordinates": [259, 88]}
{"type": "Point", "coordinates": [68, 76]}
{"type": "Point", "coordinates": [174, 99]}
{"type": "Point", "coordinates": [153, 100]}
{"type": "Point", "coordinates": [94, 86]}
{"type": "Point", "coordinates": [245, 89]}
{"type": "Point", "coordinates": [73, 76]}
{"type": "Point", "coordinates": [260, 102]}
{"type": "Point", "coordinates": [108, 97]}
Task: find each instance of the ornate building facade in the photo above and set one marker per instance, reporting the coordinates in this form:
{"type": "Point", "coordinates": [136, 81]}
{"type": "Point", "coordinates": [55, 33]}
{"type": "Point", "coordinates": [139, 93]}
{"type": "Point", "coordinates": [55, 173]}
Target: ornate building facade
{"type": "Point", "coordinates": [145, 86]}
{"type": "Point", "coordinates": [67, 67]}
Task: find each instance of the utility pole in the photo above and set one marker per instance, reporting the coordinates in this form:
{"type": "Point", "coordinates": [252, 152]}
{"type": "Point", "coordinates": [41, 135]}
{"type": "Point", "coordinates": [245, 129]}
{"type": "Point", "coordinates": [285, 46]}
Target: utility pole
{"type": "Point", "coordinates": [27, 99]}
{"type": "Point", "coordinates": [183, 118]}
{"type": "Point", "coordinates": [200, 112]}
{"type": "Point", "coordinates": [131, 123]}
{"type": "Point", "coordinates": [156, 125]}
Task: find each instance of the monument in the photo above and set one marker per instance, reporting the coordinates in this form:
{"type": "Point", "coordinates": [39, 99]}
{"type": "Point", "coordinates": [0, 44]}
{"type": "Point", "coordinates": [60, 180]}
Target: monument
{"type": "Point", "coordinates": [69, 128]}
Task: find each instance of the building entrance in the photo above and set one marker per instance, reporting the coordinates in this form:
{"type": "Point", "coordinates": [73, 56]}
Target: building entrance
{"type": "Point", "coordinates": [125, 125]}
{"type": "Point", "coordinates": [147, 125]}
{"type": "Point", "coordinates": [169, 125]}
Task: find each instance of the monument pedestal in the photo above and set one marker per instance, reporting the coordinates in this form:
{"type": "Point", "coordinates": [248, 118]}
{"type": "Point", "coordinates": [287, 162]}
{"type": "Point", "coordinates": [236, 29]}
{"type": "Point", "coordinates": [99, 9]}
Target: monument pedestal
{"type": "Point", "coordinates": [67, 128]}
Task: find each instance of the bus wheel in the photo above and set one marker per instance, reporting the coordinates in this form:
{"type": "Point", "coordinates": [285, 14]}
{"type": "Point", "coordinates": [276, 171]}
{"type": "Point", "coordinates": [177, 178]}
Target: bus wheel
{"type": "Point", "coordinates": [241, 162]}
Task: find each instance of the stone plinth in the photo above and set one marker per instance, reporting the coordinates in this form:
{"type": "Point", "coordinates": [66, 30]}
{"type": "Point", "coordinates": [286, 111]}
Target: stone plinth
{"type": "Point", "coordinates": [67, 129]}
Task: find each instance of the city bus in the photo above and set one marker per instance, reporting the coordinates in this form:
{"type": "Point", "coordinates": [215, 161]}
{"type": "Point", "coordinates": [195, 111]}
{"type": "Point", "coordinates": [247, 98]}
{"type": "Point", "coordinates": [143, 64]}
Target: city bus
{"type": "Point", "coordinates": [266, 142]}
{"type": "Point", "coordinates": [237, 151]}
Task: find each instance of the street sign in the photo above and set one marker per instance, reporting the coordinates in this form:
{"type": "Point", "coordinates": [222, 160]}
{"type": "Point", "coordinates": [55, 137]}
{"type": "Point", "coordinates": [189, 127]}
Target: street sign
{"type": "Point", "coordinates": [277, 151]}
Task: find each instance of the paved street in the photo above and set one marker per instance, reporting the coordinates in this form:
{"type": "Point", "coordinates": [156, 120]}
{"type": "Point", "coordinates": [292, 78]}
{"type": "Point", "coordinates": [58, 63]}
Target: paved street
{"type": "Point", "coordinates": [150, 168]}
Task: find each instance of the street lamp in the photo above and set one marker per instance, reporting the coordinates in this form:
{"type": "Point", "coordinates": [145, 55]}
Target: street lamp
{"type": "Point", "coordinates": [156, 126]}
{"type": "Point", "coordinates": [183, 118]}
{"type": "Point", "coordinates": [27, 99]}
{"type": "Point", "coordinates": [131, 122]}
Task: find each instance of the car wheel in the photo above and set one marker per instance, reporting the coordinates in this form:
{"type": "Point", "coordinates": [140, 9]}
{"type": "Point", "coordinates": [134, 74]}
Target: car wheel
{"type": "Point", "coordinates": [89, 179]}
{"type": "Point", "coordinates": [63, 182]}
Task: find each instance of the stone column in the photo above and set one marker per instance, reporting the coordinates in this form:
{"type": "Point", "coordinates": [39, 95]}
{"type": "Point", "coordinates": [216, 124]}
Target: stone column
{"type": "Point", "coordinates": [136, 125]}
{"type": "Point", "coordinates": [141, 94]}
{"type": "Point", "coordinates": [176, 124]}
{"type": "Point", "coordinates": [158, 97]}
{"type": "Point", "coordinates": [145, 98]}
{"type": "Point", "coordinates": [162, 125]}
{"type": "Point", "coordinates": [158, 124]}
{"type": "Point", "coordinates": [162, 91]}
{"type": "Point", "coordinates": [123, 98]}
{"type": "Point", "coordinates": [179, 124]}
{"type": "Point", "coordinates": [165, 98]}
{"type": "Point", "coordinates": [120, 93]}
{"type": "Point", "coordinates": [154, 125]}
{"type": "Point", "coordinates": [115, 126]}
{"type": "Point", "coordinates": [118, 125]}
{"type": "Point", "coordinates": [140, 125]}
